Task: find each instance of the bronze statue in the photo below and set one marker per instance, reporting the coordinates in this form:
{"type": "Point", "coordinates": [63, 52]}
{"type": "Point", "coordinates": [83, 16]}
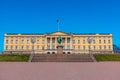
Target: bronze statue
{"type": "Point", "coordinates": [59, 40]}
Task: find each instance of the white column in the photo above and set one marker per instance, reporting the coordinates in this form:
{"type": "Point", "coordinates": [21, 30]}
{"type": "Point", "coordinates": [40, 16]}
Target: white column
{"type": "Point", "coordinates": [50, 42]}
{"type": "Point", "coordinates": [46, 43]}
{"type": "Point", "coordinates": [55, 42]}
{"type": "Point", "coordinates": [66, 43]}
{"type": "Point", "coordinates": [71, 43]}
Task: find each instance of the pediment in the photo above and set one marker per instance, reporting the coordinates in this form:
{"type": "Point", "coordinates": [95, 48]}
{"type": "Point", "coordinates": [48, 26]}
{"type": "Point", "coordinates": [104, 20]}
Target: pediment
{"type": "Point", "coordinates": [58, 33]}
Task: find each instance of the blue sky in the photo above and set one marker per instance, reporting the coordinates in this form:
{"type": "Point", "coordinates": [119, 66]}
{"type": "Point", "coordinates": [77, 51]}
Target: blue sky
{"type": "Point", "coordinates": [77, 16]}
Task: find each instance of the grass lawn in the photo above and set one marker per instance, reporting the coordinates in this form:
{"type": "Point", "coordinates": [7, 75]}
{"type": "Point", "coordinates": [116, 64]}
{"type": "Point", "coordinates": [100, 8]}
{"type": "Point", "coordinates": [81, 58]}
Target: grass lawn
{"type": "Point", "coordinates": [14, 58]}
{"type": "Point", "coordinates": [107, 57]}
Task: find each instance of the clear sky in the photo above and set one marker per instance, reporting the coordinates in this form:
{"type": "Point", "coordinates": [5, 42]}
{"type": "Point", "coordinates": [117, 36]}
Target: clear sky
{"type": "Point", "coordinates": [77, 16]}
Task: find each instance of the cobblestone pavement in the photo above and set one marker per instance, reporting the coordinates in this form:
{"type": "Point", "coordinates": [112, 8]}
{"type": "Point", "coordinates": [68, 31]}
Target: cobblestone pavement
{"type": "Point", "coordinates": [60, 71]}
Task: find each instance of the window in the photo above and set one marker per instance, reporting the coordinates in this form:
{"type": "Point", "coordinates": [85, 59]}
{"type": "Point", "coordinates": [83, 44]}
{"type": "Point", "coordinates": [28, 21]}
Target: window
{"type": "Point", "coordinates": [104, 47]}
{"type": "Point", "coordinates": [48, 47]}
{"type": "Point", "coordinates": [109, 41]}
{"type": "Point", "coordinates": [38, 47]}
{"type": "Point", "coordinates": [42, 47]}
{"type": "Point", "coordinates": [78, 41]}
{"type": "Point", "coordinates": [16, 41]}
{"type": "Point", "coordinates": [109, 47]}
{"type": "Point", "coordinates": [38, 41]}
{"type": "Point", "coordinates": [94, 47]}
{"type": "Point", "coordinates": [63, 40]}
{"type": "Point", "coordinates": [53, 47]}
{"type": "Point", "coordinates": [53, 41]}
{"type": "Point", "coordinates": [16, 47]}
{"type": "Point", "coordinates": [11, 47]}
{"type": "Point", "coordinates": [68, 40]}
{"type": "Point", "coordinates": [99, 41]}
{"type": "Point", "coordinates": [22, 41]}
{"type": "Point", "coordinates": [68, 47]}
{"type": "Point", "coordinates": [27, 41]}
{"type": "Point", "coordinates": [83, 47]}
{"type": "Point", "coordinates": [6, 47]}
{"type": "Point", "coordinates": [79, 47]}
{"type": "Point", "coordinates": [11, 41]}
{"type": "Point", "coordinates": [22, 47]}
{"type": "Point", "coordinates": [83, 41]}
{"type": "Point", "coordinates": [104, 41]}
{"type": "Point", "coordinates": [93, 41]}
{"type": "Point", "coordinates": [6, 41]}
{"type": "Point", "coordinates": [89, 47]}
{"type": "Point", "coordinates": [48, 40]}
{"type": "Point", "coordinates": [100, 47]}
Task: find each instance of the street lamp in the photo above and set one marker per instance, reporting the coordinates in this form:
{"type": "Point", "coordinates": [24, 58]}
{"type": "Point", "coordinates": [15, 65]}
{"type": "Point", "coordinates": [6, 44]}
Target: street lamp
{"type": "Point", "coordinates": [89, 41]}
{"type": "Point", "coordinates": [33, 40]}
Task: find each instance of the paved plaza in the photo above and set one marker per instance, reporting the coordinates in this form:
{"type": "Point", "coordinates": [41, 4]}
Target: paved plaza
{"type": "Point", "coordinates": [60, 71]}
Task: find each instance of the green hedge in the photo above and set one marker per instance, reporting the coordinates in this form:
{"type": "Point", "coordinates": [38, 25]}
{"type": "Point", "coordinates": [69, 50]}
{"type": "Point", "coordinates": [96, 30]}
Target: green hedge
{"type": "Point", "coordinates": [14, 58]}
{"type": "Point", "coordinates": [107, 57]}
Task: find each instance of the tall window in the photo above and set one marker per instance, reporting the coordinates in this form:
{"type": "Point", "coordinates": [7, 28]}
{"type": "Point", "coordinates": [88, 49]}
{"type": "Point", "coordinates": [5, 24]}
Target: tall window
{"type": "Point", "coordinates": [83, 47]}
{"type": "Point", "coordinates": [22, 47]}
{"type": "Point", "coordinates": [63, 40]}
{"type": "Point", "coordinates": [78, 41]}
{"type": "Point", "coordinates": [79, 47]}
{"type": "Point", "coordinates": [48, 40]}
{"type": "Point", "coordinates": [100, 47]}
{"type": "Point", "coordinates": [109, 41]}
{"type": "Point", "coordinates": [104, 47]}
{"type": "Point", "coordinates": [48, 47]}
{"type": "Point", "coordinates": [109, 47]}
{"type": "Point", "coordinates": [22, 41]}
{"type": "Point", "coordinates": [53, 47]}
{"type": "Point", "coordinates": [99, 41]}
{"type": "Point", "coordinates": [6, 41]}
{"type": "Point", "coordinates": [94, 47]}
{"type": "Point", "coordinates": [27, 41]}
{"type": "Point", "coordinates": [38, 41]}
{"type": "Point", "coordinates": [16, 41]}
{"type": "Point", "coordinates": [11, 41]}
{"type": "Point", "coordinates": [11, 47]}
{"type": "Point", "coordinates": [53, 41]}
{"type": "Point", "coordinates": [68, 47]}
{"type": "Point", "coordinates": [27, 47]}
{"type": "Point", "coordinates": [6, 47]}
{"type": "Point", "coordinates": [68, 40]}
{"type": "Point", "coordinates": [89, 47]}
{"type": "Point", "coordinates": [37, 47]}
{"type": "Point", "coordinates": [16, 47]}
{"type": "Point", "coordinates": [42, 47]}
{"type": "Point", "coordinates": [104, 41]}
{"type": "Point", "coordinates": [93, 41]}
{"type": "Point", "coordinates": [83, 41]}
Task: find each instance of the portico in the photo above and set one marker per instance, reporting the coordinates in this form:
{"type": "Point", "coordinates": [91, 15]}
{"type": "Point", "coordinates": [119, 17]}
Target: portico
{"type": "Point", "coordinates": [52, 43]}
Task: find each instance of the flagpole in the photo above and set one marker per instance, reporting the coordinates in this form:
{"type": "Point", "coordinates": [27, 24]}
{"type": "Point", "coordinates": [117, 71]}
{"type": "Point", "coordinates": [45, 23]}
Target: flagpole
{"type": "Point", "coordinates": [58, 25]}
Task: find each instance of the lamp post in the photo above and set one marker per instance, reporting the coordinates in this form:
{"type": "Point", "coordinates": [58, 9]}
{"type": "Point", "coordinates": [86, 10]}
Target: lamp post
{"type": "Point", "coordinates": [33, 40]}
{"type": "Point", "coordinates": [89, 42]}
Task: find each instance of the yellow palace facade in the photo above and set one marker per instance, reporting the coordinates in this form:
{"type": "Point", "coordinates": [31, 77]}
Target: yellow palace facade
{"type": "Point", "coordinates": [47, 43]}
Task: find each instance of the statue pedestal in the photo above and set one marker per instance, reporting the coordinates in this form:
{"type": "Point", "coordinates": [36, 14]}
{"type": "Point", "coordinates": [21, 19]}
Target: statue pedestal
{"type": "Point", "coordinates": [59, 49]}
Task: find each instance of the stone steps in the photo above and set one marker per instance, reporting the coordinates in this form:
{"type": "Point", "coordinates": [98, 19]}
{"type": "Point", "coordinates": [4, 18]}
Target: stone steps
{"type": "Point", "coordinates": [62, 58]}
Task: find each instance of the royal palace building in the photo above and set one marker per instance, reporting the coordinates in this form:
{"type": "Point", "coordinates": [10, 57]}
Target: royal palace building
{"type": "Point", "coordinates": [47, 43]}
